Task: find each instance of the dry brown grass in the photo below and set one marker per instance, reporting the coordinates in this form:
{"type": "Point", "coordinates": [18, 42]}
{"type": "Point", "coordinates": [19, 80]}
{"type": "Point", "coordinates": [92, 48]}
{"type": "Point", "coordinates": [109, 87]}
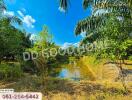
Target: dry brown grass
{"type": "Point", "coordinates": [58, 89]}
{"type": "Point", "coordinates": [97, 96]}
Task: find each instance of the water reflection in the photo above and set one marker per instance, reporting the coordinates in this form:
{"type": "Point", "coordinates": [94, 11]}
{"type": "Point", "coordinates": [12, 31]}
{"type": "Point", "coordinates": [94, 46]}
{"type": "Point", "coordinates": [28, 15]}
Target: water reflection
{"type": "Point", "coordinates": [66, 73]}
{"type": "Point", "coordinates": [73, 71]}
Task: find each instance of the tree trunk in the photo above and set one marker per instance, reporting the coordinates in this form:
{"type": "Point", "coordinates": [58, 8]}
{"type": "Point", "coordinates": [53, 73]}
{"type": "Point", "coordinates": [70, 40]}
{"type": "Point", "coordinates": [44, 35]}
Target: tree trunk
{"type": "Point", "coordinates": [123, 61]}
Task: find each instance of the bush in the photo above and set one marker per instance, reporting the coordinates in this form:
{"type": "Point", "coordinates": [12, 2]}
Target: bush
{"type": "Point", "coordinates": [130, 57]}
{"type": "Point", "coordinates": [10, 71]}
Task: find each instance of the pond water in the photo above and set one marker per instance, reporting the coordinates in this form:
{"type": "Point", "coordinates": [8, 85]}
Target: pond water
{"type": "Point", "coordinates": [66, 73]}
{"type": "Point", "coordinates": [72, 72]}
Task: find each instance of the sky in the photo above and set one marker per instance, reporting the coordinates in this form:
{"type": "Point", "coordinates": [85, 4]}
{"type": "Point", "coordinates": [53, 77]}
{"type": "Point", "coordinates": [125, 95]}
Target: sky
{"type": "Point", "coordinates": [37, 13]}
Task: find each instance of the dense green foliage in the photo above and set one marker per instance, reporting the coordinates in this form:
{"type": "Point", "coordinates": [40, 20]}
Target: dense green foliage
{"type": "Point", "coordinates": [10, 71]}
{"type": "Point", "coordinates": [13, 41]}
{"type": "Point", "coordinates": [43, 46]}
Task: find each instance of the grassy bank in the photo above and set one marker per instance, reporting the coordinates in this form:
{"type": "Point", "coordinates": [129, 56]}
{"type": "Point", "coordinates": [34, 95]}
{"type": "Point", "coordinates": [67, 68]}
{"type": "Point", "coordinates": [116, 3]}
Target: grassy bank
{"type": "Point", "coordinates": [58, 89]}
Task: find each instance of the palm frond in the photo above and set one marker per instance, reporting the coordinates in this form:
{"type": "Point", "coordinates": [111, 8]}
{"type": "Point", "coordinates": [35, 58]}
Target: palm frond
{"type": "Point", "coordinates": [89, 24]}
{"type": "Point", "coordinates": [87, 3]}
{"type": "Point", "coordinates": [63, 4]}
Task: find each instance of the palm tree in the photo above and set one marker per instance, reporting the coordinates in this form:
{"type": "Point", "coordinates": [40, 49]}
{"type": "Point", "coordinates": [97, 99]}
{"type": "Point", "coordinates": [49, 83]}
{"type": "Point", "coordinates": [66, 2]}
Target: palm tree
{"type": "Point", "coordinates": [102, 9]}
{"type": "Point", "coordinates": [63, 5]}
{"type": "Point", "coordinates": [96, 3]}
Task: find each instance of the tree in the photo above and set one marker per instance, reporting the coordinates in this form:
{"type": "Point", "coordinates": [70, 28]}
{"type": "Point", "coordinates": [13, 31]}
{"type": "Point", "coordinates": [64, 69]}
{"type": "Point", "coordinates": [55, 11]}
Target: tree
{"type": "Point", "coordinates": [42, 42]}
{"type": "Point", "coordinates": [101, 10]}
{"type": "Point", "coordinates": [13, 41]}
{"type": "Point", "coordinates": [111, 20]}
{"type": "Point", "coordinates": [96, 3]}
{"type": "Point", "coordinates": [118, 41]}
{"type": "Point", "coordinates": [121, 9]}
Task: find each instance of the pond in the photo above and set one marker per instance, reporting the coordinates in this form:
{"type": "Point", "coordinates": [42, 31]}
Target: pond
{"type": "Point", "coordinates": [66, 73]}
{"type": "Point", "coordinates": [72, 72]}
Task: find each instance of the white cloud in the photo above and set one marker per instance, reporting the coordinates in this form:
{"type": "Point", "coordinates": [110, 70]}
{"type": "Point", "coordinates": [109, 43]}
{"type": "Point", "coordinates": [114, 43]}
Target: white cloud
{"type": "Point", "coordinates": [29, 21]}
{"type": "Point", "coordinates": [8, 13]}
{"type": "Point", "coordinates": [33, 37]}
{"type": "Point", "coordinates": [67, 44]}
{"type": "Point", "coordinates": [20, 13]}
{"type": "Point", "coordinates": [26, 19]}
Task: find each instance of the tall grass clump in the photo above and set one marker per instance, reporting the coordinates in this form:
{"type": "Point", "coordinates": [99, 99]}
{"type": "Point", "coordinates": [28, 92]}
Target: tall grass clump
{"type": "Point", "coordinates": [91, 67]}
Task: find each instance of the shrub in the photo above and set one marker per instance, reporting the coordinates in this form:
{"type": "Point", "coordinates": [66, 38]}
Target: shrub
{"type": "Point", "coordinates": [8, 71]}
{"type": "Point", "coordinates": [130, 57]}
